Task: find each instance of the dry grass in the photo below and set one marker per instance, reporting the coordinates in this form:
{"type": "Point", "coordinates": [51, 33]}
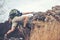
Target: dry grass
{"type": "Point", "coordinates": [47, 31]}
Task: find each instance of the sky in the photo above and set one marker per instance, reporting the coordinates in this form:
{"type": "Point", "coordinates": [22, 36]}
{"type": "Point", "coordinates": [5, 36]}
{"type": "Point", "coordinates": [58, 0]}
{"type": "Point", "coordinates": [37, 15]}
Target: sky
{"type": "Point", "coordinates": [26, 6]}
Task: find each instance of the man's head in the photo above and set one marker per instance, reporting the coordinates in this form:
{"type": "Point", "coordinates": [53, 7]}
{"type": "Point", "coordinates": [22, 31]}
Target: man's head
{"type": "Point", "coordinates": [14, 12]}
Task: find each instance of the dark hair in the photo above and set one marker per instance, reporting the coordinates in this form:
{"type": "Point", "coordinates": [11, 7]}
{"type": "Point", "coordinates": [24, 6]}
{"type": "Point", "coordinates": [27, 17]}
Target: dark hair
{"type": "Point", "coordinates": [14, 12]}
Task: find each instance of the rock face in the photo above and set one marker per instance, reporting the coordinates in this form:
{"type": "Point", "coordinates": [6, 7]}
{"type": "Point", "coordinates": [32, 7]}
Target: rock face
{"type": "Point", "coordinates": [42, 26]}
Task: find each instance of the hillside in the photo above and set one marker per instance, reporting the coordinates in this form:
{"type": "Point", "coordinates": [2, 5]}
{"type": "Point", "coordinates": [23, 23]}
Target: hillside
{"type": "Point", "coordinates": [48, 29]}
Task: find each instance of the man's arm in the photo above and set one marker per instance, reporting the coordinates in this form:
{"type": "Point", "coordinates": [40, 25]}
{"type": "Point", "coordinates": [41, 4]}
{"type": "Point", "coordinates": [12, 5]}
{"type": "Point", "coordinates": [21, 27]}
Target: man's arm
{"type": "Point", "coordinates": [27, 13]}
{"type": "Point", "coordinates": [25, 21]}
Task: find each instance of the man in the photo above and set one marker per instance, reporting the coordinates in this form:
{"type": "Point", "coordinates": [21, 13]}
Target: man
{"type": "Point", "coordinates": [15, 17]}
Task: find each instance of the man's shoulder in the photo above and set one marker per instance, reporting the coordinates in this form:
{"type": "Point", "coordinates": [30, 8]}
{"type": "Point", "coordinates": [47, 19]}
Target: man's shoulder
{"type": "Point", "coordinates": [16, 17]}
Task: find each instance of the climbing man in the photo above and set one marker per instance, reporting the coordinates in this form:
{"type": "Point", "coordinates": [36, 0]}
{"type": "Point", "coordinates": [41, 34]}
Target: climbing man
{"type": "Point", "coordinates": [15, 16]}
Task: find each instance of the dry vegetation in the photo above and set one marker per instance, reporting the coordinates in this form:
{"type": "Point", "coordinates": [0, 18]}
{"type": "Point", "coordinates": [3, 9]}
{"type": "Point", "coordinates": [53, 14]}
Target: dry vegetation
{"type": "Point", "coordinates": [46, 30]}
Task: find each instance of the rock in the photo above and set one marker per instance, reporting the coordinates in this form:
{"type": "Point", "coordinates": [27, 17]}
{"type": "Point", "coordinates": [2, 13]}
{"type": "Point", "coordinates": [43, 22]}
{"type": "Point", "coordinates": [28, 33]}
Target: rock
{"type": "Point", "coordinates": [39, 16]}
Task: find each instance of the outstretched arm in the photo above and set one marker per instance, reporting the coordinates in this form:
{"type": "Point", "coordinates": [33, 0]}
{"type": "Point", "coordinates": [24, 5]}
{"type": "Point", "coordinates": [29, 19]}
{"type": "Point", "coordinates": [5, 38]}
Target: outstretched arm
{"type": "Point", "coordinates": [27, 13]}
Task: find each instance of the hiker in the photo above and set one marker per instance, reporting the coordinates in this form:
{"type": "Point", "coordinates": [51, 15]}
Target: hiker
{"type": "Point", "coordinates": [15, 17]}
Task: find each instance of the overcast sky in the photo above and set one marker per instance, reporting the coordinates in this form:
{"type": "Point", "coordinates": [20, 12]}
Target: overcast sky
{"type": "Point", "coordinates": [27, 6]}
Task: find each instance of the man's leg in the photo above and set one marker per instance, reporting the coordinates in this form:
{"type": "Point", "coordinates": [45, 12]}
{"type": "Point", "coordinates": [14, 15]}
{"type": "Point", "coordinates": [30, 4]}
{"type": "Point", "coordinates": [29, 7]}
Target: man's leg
{"type": "Point", "coordinates": [14, 24]}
